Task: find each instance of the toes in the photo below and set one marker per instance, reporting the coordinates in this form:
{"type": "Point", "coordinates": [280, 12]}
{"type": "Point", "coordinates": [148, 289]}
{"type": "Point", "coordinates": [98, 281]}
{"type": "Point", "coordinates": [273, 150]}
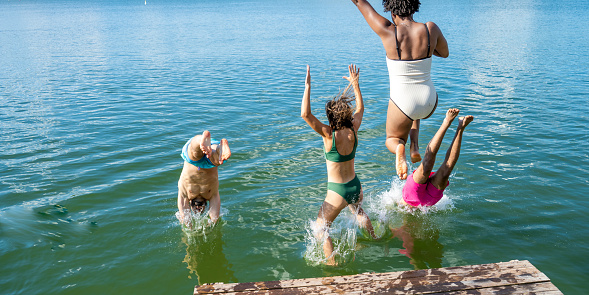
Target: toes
{"type": "Point", "coordinates": [205, 143]}
{"type": "Point", "coordinates": [467, 120]}
{"type": "Point", "coordinates": [206, 150]}
{"type": "Point", "coordinates": [226, 151]}
{"type": "Point", "coordinates": [451, 114]}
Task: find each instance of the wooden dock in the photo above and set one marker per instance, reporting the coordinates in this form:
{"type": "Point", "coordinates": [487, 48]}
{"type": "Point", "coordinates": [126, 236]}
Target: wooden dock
{"type": "Point", "coordinates": [513, 277]}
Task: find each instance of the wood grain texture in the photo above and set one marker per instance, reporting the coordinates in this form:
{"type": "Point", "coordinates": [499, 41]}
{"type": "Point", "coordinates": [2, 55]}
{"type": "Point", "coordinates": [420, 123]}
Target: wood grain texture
{"type": "Point", "coordinates": [513, 277]}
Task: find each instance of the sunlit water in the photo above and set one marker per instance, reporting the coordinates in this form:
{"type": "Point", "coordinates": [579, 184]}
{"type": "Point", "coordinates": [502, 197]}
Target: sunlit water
{"type": "Point", "coordinates": [98, 98]}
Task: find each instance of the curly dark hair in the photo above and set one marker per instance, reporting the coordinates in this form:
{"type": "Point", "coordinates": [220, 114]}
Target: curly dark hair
{"type": "Point", "coordinates": [198, 206]}
{"type": "Point", "coordinates": [401, 8]}
{"type": "Point", "coordinates": [339, 112]}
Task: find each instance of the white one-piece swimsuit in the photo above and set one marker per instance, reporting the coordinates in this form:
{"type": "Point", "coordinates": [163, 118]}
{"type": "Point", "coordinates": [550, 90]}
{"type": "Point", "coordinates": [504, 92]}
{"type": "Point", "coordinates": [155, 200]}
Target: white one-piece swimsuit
{"type": "Point", "coordinates": [412, 89]}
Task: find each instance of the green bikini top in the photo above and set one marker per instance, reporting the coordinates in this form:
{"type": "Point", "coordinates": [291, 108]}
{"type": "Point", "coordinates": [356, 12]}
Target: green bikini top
{"type": "Point", "coordinates": [334, 156]}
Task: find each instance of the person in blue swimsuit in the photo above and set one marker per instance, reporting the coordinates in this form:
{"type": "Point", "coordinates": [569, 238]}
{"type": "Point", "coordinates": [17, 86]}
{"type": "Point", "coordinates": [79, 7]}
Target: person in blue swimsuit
{"type": "Point", "coordinates": [340, 142]}
{"type": "Point", "coordinates": [199, 180]}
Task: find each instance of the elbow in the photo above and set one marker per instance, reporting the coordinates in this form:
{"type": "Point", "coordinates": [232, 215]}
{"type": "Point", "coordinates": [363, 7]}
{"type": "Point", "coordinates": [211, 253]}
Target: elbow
{"type": "Point", "coordinates": [442, 54]}
{"type": "Point", "coordinates": [360, 3]}
{"type": "Point", "coordinates": [305, 111]}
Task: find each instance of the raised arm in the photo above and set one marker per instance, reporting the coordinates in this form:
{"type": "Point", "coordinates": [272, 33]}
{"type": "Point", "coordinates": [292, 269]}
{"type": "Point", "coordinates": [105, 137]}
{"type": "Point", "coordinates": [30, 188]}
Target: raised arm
{"type": "Point", "coordinates": [354, 80]}
{"type": "Point", "coordinates": [214, 208]}
{"type": "Point", "coordinates": [183, 204]}
{"type": "Point", "coordinates": [441, 49]}
{"type": "Point", "coordinates": [377, 22]}
{"type": "Point", "coordinates": [306, 114]}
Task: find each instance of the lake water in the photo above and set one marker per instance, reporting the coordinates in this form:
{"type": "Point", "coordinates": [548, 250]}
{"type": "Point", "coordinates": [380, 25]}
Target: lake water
{"type": "Point", "coordinates": [98, 97]}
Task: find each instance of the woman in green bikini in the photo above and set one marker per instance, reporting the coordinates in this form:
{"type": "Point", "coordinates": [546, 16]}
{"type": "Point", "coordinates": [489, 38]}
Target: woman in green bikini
{"type": "Point", "coordinates": [340, 142]}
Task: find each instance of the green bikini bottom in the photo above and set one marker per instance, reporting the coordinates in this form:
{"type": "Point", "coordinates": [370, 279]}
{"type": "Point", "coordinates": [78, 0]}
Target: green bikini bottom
{"type": "Point", "coordinates": [350, 190]}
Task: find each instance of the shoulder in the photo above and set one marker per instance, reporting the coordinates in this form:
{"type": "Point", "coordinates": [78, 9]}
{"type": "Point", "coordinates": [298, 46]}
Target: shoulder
{"type": "Point", "coordinates": [327, 132]}
{"type": "Point", "coordinates": [349, 132]}
{"type": "Point", "coordinates": [355, 132]}
{"type": "Point", "coordinates": [431, 24]}
{"type": "Point", "coordinates": [432, 27]}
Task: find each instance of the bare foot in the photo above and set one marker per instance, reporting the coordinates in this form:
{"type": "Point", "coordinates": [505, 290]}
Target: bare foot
{"type": "Point", "coordinates": [225, 151]}
{"type": "Point", "coordinates": [402, 202]}
{"type": "Point", "coordinates": [464, 121]}
{"type": "Point", "coordinates": [401, 162]}
{"type": "Point", "coordinates": [451, 115]}
{"type": "Point", "coordinates": [415, 156]}
{"type": "Point", "coordinates": [331, 262]}
{"type": "Point", "coordinates": [205, 143]}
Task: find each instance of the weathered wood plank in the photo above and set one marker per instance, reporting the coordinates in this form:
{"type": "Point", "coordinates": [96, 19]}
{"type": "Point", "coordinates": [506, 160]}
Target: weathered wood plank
{"type": "Point", "coordinates": [470, 279]}
{"type": "Point", "coordinates": [399, 286]}
{"type": "Point", "coordinates": [543, 288]}
{"type": "Point", "coordinates": [453, 273]}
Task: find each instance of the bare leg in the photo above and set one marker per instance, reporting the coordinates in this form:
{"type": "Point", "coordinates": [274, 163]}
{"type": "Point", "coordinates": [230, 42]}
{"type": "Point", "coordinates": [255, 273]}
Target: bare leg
{"type": "Point", "coordinates": [422, 172]}
{"type": "Point", "coordinates": [401, 162]}
{"type": "Point", "coordinates": [362, 218]}
{"type": "Point", "coordinates": [414, 139]}
{"type": "Point", "coordinates": [223, 151]}
{"type": "Point", "coordinates": [205, 143]}
{"type": "Point", "coordinates": [364, 221]}
{"type": "Point", "coordinates": [226, 153]}
{"type": "Point", "coordinates": [440, 179]}
{"type": "Point", "coordinates": [330, 209]}
{"type": "Point", "coordinates": [183, 207]}
{"type": "Point", "coordinates": [217, 153]}
{"type": "Point", "coordinates": [195, 151]}
{"type": "Point", "coordinates": [397, 127]}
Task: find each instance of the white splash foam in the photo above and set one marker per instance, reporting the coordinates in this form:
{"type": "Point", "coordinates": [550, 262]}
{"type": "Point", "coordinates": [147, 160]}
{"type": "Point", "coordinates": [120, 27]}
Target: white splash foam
{"type": "Point", "coordinates": [385, 213]}
{"type": "Point", "coordinates": [197, 224]}
{"type": "Point", "coordinates": [384, 204]}
{"type": "Point", "coordinates": [343, 235]}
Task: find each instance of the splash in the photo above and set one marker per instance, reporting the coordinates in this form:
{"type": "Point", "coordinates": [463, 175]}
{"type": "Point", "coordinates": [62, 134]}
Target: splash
{"type": "Point", "coordinates": [386, 215]}
{"type": "Point", "coordinates": [198, 224]}
{"type": "Point", "coordinates": [343, 235]}
{"type": "Point", "coordinates": [385, 204]}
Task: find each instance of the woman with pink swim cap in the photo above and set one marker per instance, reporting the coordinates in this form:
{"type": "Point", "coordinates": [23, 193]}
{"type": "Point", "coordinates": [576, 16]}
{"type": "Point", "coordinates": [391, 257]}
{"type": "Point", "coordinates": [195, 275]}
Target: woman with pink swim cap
{"type": "Point", "coordinates": [424, 187]}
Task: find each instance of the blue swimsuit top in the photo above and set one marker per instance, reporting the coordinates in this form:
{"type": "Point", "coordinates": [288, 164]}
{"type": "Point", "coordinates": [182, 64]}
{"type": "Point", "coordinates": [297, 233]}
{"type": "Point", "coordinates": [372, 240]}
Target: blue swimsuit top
{"type": "Point", "coordinates": [204, 162]}
{"type": "Point", "coordinates": [334, 156]}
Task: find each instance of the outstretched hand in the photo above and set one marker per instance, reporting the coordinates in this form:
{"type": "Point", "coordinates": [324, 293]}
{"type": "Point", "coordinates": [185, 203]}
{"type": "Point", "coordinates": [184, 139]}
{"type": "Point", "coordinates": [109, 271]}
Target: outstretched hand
{"type": "Point", "coordinates": [354, 73]}
{"type": "Point", "coordinates": [308, 79]}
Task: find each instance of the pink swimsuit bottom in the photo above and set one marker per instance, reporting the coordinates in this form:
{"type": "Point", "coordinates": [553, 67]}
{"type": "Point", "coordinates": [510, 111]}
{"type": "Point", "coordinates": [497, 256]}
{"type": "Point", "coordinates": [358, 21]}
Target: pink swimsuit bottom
{"type": "Point", "coordinates": [421, 194]}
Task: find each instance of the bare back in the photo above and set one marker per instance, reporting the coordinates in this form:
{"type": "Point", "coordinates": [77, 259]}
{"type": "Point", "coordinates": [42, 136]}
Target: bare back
{"type": "Point", "coordinates": [413, 41]}
{"type": "Point", "coordinates": [411, 35]}
{"type": "Point", "coordinates": [340, 172]}
{"type": "Point", "coordinates": [197, 183]}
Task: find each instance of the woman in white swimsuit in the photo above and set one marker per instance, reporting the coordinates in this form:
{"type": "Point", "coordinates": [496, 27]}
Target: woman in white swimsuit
{"type": "Point", "coordinates": [409, 47]}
